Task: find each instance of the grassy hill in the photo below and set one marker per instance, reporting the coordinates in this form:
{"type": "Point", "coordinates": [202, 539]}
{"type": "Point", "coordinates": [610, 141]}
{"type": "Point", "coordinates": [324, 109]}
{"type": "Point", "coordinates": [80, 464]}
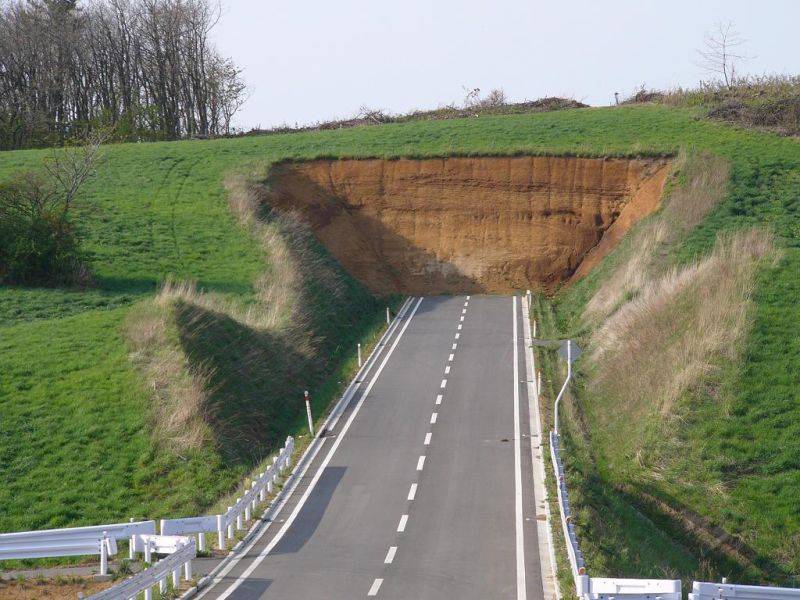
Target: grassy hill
{"type": "Point", "coordinates": [84, 371]}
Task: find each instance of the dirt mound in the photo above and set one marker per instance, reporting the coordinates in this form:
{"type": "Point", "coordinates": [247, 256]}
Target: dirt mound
{"type": "Point", "coordinates": [455, 225]}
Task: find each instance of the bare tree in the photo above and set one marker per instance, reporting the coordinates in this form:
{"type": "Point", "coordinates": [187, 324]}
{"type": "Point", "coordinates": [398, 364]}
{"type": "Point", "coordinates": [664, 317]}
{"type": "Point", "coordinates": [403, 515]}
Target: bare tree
{"type": "Point", "coordinates": [720, 53]}
{"type": "Point", "coordinates": [70, 167]}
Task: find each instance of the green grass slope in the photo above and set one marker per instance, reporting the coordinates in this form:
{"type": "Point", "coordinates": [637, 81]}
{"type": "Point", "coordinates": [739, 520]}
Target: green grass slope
{"type": "Point", "coordinates": [76, 441]}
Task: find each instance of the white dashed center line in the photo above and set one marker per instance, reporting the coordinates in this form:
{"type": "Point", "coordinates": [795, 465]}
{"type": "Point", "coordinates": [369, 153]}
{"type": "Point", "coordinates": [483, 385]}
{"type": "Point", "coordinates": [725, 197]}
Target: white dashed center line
{"type": "Point", "coordinates": [401, 526]}
{"type": "Point", "coordinates": [412, 492]}
{"type": "Point", "coordinates": [376, 585]}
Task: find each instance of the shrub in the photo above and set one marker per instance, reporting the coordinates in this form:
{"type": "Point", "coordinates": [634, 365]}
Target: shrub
{"type": "Point", "coordinates": [38, 243]}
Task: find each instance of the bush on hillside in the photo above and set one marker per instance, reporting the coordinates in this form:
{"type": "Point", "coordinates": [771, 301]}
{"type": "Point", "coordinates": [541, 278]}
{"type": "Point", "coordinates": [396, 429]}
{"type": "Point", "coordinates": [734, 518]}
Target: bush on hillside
{"type": "Point", "coordinates": [771, 102]}
{"type": "Point", "coordinates": [38, 243]}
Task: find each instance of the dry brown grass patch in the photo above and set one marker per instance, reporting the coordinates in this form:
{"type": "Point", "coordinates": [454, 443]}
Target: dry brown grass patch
{"type": "Point", "coordinates": [700, 183]}
{"type": "Point", "coordinates": [673, 333]}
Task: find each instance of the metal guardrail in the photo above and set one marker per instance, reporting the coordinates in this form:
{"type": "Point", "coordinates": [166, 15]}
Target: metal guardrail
{"type": "Point", "coordinates": [71, 541]}
{"type": "Point", "coordinates": [726, 591]}
{"type": "Point", "coordinates": [633, 589]}
{"type": "Point", "coordinates": [576, 561]}
{"type": "Point", "coordinates": [237, 515]}
{"type": "Point", "coordinates": [181, 552]}
{"type": "Point", "coordinates": [101, 539]}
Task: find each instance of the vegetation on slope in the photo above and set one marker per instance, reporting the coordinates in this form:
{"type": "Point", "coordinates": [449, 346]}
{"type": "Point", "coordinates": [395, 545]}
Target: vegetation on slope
{"type": "Point", "coordinates": [76, 408]}
{"type": "Point", "coordinates": [677, 427]}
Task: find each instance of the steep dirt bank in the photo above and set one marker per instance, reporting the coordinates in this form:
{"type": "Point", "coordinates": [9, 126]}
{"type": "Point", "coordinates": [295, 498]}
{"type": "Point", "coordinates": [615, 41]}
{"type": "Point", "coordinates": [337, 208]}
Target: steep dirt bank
{"type": "Point", "coordinates": [484, 224]}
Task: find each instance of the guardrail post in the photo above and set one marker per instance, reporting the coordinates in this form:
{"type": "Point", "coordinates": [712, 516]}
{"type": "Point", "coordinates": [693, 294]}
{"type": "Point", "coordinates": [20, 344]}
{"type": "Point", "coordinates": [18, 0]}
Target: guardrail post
{"type": "Point", "coordinates": [359, 356]}
{"type": "Point", "coordinates": [388, 317]}
{"type": "Point", "coordinates": [176, 577]}
{"type": "Point", "coordinates": [230, 526]}
{"type": "Point", "coordinates": [104, 554]}
{"type": "Point", "coordinates": [131, 553]}
{"type": "Point", "coordinates": [187, 570]}
{"type": "Point", "coordinates": [148, 552]}
{"type": "Point", "coordinates": [201, 542]}
{"type": "Point", "coordinates": [308, 406]}
{"type": "Point", "coordinates": [148, 594]}
{"type": "Point", "coordinates": [262, 494]}
{"type": "Point", "coordinates": [220, 533]}
{"type": "Point", "coordinates": [162, 585]}
{"type": "Point", "coordinates": [239, 516]}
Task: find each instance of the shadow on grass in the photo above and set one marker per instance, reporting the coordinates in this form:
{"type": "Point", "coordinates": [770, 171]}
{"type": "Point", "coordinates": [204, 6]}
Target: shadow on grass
{"type": "Point", "coordinates": [256, 380]}
{"type": "Point", "coordinates": [731, 556]}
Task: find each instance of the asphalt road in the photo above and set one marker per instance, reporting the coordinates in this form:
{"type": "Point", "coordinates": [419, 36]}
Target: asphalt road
{"type": "Point", "coordinates": [422, 489]}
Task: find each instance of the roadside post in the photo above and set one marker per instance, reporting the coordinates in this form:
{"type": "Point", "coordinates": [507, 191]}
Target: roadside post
{"type": "Point", "coordinates": [359, 356]}
{"type": "Point", "coordinates": [308, 412]}
{"type": "Point", "coordinates": [388, 317]}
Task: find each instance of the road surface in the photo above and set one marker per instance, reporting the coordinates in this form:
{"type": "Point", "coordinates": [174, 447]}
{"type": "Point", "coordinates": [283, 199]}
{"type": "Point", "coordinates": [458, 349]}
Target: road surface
{"type": "Point", "coordinates": [422, 488]}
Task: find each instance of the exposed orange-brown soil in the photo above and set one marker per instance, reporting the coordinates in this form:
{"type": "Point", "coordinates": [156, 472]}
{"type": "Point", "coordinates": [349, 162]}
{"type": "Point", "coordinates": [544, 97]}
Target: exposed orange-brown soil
{"type": "Point", "coordinates": [457, 225]}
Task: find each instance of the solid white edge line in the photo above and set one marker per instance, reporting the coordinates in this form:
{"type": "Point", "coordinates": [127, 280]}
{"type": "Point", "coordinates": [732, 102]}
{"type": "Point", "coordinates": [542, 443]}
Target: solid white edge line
{"type": "Point", "coordinates": [401, 526]}
{"type": "Point", "coordinates": [390, 555]}
{"type": "Point", "coordinates": [412, 491]}
{"type": "Point", "coordinates": [421, 463]}
{"type": "Point", "coordinates": [547, 555]}
{"type": "Point", "coordinates": [376, 585]}
{"type": "Point", "coordinates": [522, 592]}
{"type": "Point", "coordinates": [288, 523]}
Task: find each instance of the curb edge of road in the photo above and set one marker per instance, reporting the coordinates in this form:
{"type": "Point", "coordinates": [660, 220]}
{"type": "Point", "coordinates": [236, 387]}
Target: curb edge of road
{"type": "Point", "coordinates": [290, 483]}
{"type": "Point", "coordinates": [539, 479]}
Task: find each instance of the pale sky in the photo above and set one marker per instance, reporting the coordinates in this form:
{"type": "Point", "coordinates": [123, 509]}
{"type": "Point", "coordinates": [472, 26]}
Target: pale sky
{"type": "Point", "coordinates": [312, 60]}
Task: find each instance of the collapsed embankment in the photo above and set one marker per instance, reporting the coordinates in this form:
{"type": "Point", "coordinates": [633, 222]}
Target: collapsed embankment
{"type": "Point", "coordinates": [469, 224]}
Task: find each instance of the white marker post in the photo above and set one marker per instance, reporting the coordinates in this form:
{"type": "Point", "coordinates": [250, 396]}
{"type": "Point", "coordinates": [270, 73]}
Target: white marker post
{"type": "Point", "coordinates": [359, 356]}
{"type": "Point", "coordinates": [388, 318]}
{"type": "Point", "coordinates": [308, 412]}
